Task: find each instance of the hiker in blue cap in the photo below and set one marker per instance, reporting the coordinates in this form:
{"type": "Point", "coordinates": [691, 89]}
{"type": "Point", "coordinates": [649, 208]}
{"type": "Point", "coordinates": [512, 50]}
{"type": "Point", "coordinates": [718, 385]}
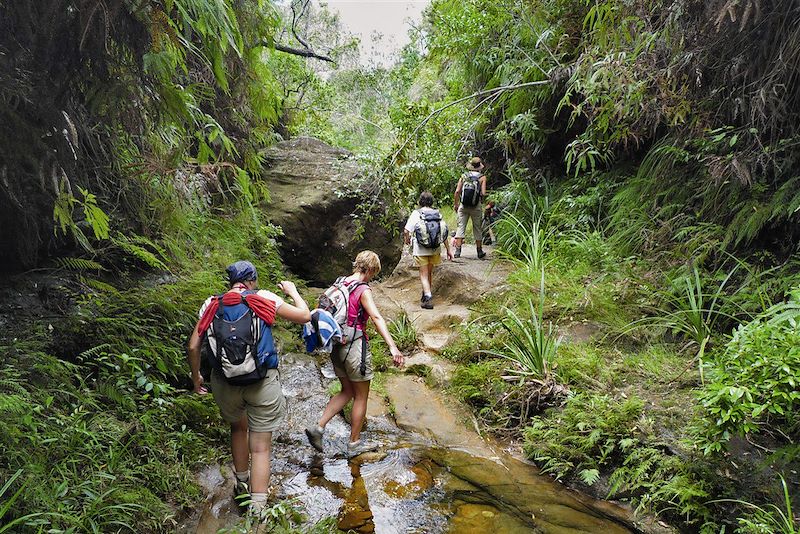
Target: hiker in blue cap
{"type": "Point", "coordinates": [236, 328]}
{"type": "Point", "coordinates": [241, 271]}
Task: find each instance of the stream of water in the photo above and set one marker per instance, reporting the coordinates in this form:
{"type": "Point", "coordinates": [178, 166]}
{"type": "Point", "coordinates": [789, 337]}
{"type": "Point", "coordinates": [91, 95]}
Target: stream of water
{"type": "Point", "coordinates": [408, 485]}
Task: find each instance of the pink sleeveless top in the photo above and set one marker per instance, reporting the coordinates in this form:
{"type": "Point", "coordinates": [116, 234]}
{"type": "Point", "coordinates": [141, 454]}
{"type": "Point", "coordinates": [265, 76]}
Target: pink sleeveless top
{"type": "Point", "coordinates": [356, 314]}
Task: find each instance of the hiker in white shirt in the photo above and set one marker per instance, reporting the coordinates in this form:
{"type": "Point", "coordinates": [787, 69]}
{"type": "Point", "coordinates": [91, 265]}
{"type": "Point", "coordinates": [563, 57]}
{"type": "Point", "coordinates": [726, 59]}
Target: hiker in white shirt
{"type": "Point", "coordinates": [427, 231]}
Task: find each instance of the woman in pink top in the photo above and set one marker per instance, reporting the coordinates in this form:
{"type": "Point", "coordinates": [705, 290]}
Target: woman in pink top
{"type": "Point", "coordinates": [352, 361]}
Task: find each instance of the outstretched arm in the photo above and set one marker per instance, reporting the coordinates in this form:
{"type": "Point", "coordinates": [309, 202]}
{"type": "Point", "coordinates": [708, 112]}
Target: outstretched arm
{"type": "Point", "coordinates": [299, 312]}
{"type": "Point", "coordinates": [380, 325]}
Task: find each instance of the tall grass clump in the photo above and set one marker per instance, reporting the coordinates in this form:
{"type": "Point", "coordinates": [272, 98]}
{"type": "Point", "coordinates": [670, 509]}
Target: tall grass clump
{"type": "Point", "coordinates": [529, 345]}
{"type": "Point", "coordinates": [768, 518]}
{"type": "Point", "coordinates": [690, 310]}
{"type": "Point", "coordinates": [403, 332]}
{"type": "Point", "coordinates": [522, 240]}
{"type": "Point", "coordinates": [522, 233]}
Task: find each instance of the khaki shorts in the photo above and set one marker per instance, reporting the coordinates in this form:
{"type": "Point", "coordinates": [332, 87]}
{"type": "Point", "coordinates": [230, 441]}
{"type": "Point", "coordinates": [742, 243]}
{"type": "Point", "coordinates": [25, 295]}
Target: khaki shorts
{"type": "Point", "coordinates": [346, 361]}
{"type": "Point", "coordinates": [263, 401]}
{"type": "Point", "coordinates": [464, 215]}
{"type": "Point", "coordinates": [433, 259]}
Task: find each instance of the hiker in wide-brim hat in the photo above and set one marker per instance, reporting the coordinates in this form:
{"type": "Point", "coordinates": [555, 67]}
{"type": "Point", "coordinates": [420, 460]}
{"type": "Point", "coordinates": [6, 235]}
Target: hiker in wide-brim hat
{"type": "Point", "coordinates": [470, 192]}
{"type": "Point", "coordinates": [475, 164]}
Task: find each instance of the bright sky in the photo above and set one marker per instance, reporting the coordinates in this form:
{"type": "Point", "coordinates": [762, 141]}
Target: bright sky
{"type": "Point", "coordinates": [390, 18]}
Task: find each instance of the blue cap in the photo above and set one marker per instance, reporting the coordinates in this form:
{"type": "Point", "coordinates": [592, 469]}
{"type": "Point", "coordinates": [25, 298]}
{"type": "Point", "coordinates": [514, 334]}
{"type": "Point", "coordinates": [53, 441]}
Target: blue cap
{"type": "Point", "coordinates": [241, 271]}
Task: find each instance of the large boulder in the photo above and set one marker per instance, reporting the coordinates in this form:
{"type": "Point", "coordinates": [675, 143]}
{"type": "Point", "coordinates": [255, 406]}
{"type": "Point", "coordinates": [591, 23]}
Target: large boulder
{"type": "Point", "coordinates": [315, 199]}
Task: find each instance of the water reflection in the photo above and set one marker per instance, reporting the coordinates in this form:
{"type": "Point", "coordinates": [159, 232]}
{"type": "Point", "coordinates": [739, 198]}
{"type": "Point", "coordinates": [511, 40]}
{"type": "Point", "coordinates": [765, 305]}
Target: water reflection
{"type": "Point", "coordinates": [420, 489]}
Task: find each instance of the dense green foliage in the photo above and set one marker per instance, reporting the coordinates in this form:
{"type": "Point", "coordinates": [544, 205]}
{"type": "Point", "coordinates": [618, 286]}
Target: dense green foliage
{"type": "Point", "coordinates": [753, 381]}
{"type": "Point", "coordinates": [647, 153]}
{"type": "Point", "coordinates": [692, 90]}
{"type": "Point", "coordinates": [131, 144]}
{"type": "Point", "coordinates": [173, 93]}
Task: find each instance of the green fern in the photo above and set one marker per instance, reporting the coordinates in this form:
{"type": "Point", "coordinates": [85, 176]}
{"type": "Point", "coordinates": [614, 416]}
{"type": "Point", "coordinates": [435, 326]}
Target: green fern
{"type": "Point", "coordinates": [98, 285]}
{"type": "Point", "coordinates": [94, 351]}
{"type": "Point", "coordinates": [79, 264]}
{"type": "Point", "coordinates": [135, 245]}
{"type": "Point", "coordinates": [12, 385]}
{"type": "Point", "coordinates": [116, 395]}
{"type": "Point", "coordinates": [589, 476]}
{"type": "Point", "coordinates": [14, 404]}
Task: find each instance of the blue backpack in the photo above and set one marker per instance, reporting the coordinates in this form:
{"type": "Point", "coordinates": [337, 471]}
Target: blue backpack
{"type": "Point", "coordinates": [428, 231]}
{"type": "Point", "coordinates": [240, 345]}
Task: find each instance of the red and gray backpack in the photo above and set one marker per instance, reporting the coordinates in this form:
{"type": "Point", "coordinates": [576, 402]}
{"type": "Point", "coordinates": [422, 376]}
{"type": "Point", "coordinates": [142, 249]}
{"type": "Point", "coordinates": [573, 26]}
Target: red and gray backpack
{"type": "Point", "coordinates": [239, 344]}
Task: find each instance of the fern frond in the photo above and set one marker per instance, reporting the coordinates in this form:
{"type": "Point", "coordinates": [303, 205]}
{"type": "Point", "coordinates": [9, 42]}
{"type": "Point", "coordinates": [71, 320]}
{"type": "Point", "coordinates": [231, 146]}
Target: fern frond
{"type": "Point", "coordinates": [99, 285]}
{"type": "Point", "coordinates": [14, 404]}
{"type": "Point", "coordinates": [79, 264]}
{"type": "Point", "coordinates": [131, 246]}
{"type": "Point", "coordinates": [12, 385]}
{"type": "Point", "coordinates": [589, 476]}
{"type": "Point", "coordinates": [113, 393]}
{"type": "Point", "coordinates": [94, 351]}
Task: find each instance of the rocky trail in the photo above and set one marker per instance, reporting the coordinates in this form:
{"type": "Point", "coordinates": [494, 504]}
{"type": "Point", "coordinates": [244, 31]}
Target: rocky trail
{"type": "Point", "coordinates": [434, 473]}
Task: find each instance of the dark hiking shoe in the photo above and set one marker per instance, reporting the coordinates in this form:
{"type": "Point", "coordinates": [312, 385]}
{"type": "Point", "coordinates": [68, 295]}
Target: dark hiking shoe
{"type": "Point", "coordinates": [481, 254]}
{"type": "Point", "coordinates": [314, 437]}
{"type": "Point", "coordinates": [427, 302]}
{"type": "Point", "coordinates": [241, 494]}
{"type": "Point", "coordinates": [457, 253]}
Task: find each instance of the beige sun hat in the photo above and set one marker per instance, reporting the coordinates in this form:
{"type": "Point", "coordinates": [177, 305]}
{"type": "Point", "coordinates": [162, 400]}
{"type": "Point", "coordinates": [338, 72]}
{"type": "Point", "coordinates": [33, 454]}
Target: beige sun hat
{"type": "Point", "coordinates": [475, 164]}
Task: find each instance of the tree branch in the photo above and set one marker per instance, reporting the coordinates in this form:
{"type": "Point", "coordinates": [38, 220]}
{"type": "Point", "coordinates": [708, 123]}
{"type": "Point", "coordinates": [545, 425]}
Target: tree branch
{"type": "Point", "coordinates": [302, 52]}
{"type": "Point", "coordinates": [490, 92]}
{"type": "Point", "coordinates": [306, 51]}
{"type": "Point", "coordinates": [295, 18]}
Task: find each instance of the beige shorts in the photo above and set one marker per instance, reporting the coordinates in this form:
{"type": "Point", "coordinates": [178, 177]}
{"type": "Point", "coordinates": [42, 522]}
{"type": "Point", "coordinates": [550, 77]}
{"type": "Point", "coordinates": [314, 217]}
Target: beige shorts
{"type": "Point", "coordinates": [263, 401]}
{"type": "Point", "coordinates": [434, 259]}
{"type": "Point", "coordinates": [464, 215]}
{"type": "Point", "coordinates": [346, 361]}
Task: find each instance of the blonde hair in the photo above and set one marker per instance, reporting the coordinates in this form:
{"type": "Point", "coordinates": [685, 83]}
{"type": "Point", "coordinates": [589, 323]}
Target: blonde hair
{"type": "Point", "coordinates": [367, 262]}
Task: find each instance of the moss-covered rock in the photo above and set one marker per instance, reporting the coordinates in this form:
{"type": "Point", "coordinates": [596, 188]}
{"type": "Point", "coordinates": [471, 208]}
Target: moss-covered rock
{"type": "Point", "coordinates": [316, 191]}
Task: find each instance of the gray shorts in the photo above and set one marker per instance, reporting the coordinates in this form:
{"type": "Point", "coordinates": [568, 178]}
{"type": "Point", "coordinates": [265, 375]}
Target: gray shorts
{"type": "Point", "coordinates": [346, 361]}
{"type": "Point", "coordinates": [263, 401]}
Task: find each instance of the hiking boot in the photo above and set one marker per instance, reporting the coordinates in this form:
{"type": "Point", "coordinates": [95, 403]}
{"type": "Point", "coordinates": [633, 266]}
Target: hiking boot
{"type": "Point", "coordinates": [241, 493]}
{"type": "Point", "coordinates": [314, 435]}
{"type": "Point", "coordinates": [481, 254]}
{"type": "Point", "coordinates": [427, 302]}
{"type": "Point", "coordinates": [356, 448]}
{"type": "Point", "coordinates": [257, 512]}
{"type": "Point", "coordinates": [457, 252]}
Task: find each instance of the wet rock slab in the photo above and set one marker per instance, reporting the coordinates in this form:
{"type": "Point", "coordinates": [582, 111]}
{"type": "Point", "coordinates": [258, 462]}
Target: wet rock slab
{"type": "Point", "coordinates": [409, 484]}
